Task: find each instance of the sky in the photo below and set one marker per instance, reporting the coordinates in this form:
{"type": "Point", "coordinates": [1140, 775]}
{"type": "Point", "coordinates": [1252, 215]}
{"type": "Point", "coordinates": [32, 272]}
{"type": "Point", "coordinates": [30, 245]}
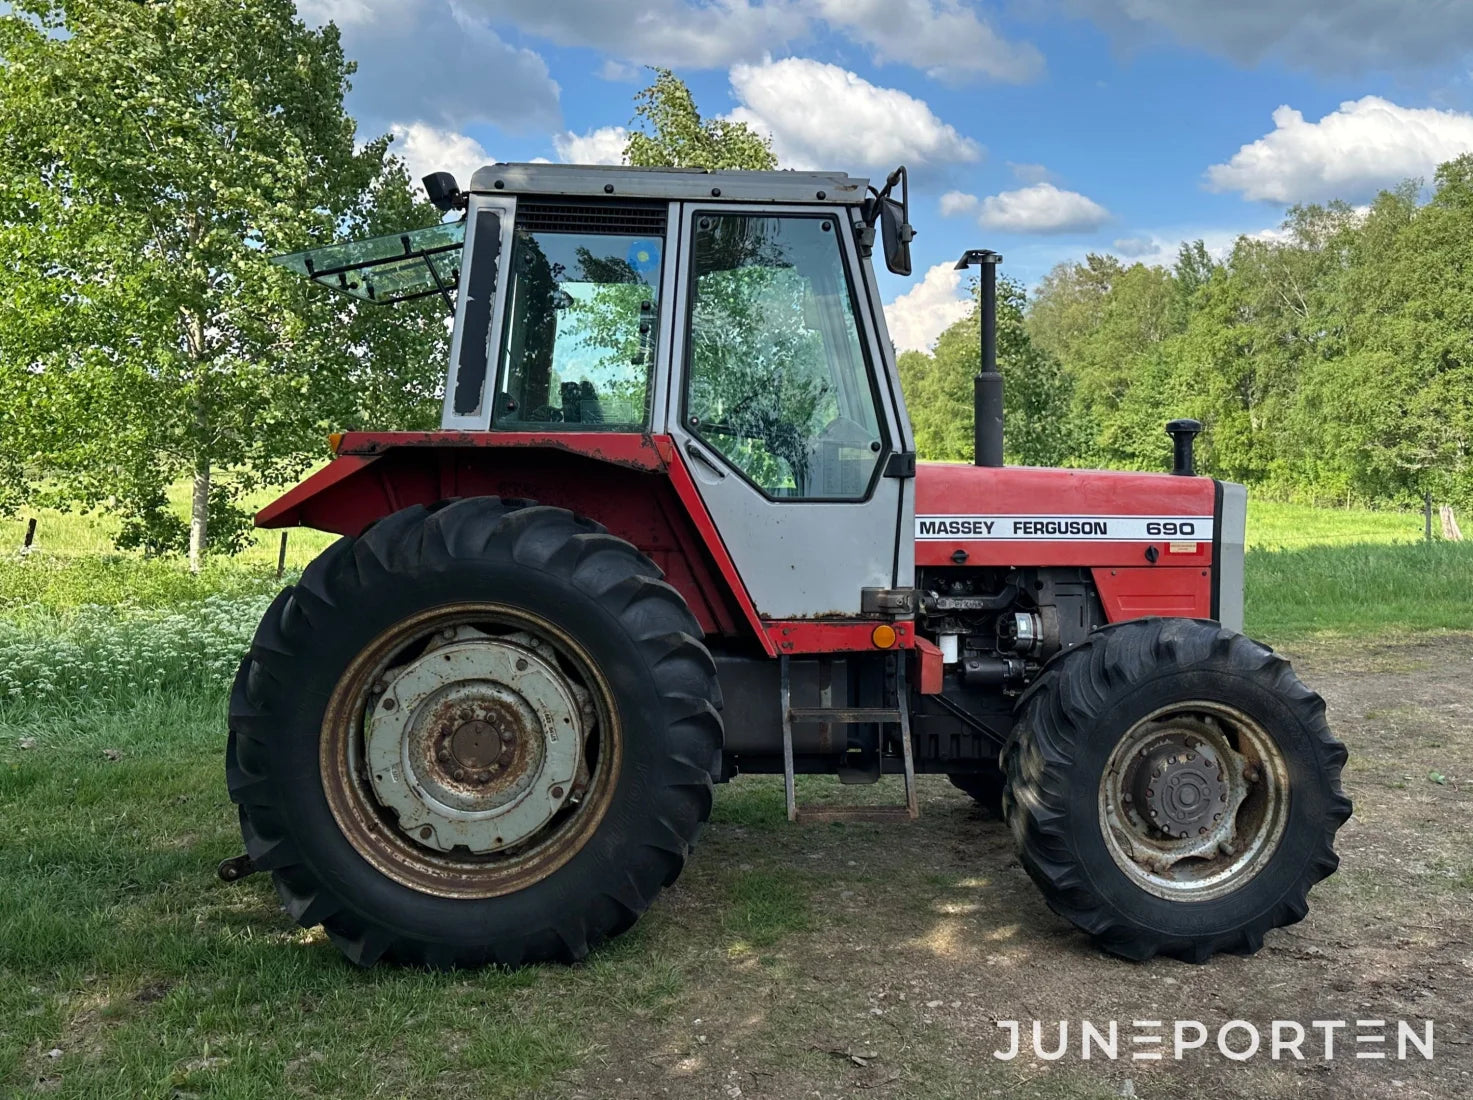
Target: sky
{"type": "Point", "coordinates": [1043, 129]}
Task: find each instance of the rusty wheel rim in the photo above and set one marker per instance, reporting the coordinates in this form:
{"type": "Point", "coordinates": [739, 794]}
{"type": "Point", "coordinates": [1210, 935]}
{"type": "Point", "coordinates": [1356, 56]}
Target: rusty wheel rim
{"type": "Point", "coordinates": [434, 826]}
{"type": "Point", "coordinates": [1194, 801]}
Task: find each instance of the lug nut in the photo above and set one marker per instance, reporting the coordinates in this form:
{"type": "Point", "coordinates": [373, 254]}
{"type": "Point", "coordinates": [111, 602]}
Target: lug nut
{"type": "Point", "coordinates": [459, 773]}
{"type": "Point", "coordinates": [388, 703]}
{"type": "Point", "coordinates": [557, 792]}
{"type": "Point", "coordinates": [508, 737]}
{"type": "Point", "coordinates": [426, 833]}
{"type": "Point", "coordinates": [521, 664]}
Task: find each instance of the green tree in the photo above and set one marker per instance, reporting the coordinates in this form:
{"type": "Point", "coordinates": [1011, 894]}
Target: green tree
{"type": "Point", "coordinates": [152, 156]}
{"type": "Point", "coordinates": [1405, 395]}
{"type": "Point", "coordinates": [674, 135]}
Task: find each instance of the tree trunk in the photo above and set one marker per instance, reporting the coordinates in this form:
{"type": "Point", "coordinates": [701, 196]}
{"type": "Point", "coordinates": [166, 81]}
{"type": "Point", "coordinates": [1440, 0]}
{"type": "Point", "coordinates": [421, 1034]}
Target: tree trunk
{"type": "Point", "coordinates": [199, 513]}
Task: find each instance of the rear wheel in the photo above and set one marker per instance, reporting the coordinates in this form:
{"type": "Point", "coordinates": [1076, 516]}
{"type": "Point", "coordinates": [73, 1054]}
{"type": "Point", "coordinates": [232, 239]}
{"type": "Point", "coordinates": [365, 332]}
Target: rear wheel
{"type": "Point", "coordinates": [484, 733]}
{"type": "Point", "coordinates": [1174, 789]}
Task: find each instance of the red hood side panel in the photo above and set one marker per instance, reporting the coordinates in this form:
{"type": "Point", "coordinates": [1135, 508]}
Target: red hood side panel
{"type": "Point", "coordinates": [1021, 515]}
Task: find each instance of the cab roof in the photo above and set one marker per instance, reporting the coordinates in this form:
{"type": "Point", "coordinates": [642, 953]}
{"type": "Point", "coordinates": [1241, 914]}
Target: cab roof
{"type": "Point", "coordinates": [706, 185]}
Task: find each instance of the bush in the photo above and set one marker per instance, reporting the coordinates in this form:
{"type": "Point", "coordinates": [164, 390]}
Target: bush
{"type": "Point", "coordinates": [111, 655]}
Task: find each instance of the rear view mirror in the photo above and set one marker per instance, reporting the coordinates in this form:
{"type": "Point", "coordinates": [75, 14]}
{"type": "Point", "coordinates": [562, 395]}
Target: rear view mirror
{"type": "Point", "coordinates": [897, 234]}
{"type": "Point", "coordinates": [895, 228]}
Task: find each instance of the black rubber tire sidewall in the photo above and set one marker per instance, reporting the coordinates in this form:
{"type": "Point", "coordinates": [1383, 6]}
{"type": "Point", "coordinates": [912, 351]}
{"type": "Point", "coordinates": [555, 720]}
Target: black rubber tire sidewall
{"type": "Point", "coordinates": [1280, 876]}
{"type": "Point", "coordinates": [1069, 723]}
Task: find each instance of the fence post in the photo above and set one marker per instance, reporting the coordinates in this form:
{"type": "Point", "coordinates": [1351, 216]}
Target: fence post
{"type": "Point", "coordinates": [1427, 513]}
{"type": "Point", "coordinates": [281, 556]}
{"type": "Point", "coordinates": [30, 533]}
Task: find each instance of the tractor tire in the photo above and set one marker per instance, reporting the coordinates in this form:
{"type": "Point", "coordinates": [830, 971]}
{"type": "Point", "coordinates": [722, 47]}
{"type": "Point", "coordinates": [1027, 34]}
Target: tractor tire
{"type": "Point", "coordinates": [1173, 789]}
{"type": "Point", "coordinates": [371, 776]}
{"type": "Point", "coordinates": [985, 788]}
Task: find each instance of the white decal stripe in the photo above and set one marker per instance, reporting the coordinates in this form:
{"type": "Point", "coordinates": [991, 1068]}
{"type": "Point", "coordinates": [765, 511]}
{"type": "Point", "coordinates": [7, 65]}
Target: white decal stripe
{"type": "Point", "coordinates": [1063, 528]}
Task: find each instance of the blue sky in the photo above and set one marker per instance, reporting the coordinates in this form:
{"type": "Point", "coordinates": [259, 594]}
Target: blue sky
{"type": "Point", "coordinates": [1041, 128]}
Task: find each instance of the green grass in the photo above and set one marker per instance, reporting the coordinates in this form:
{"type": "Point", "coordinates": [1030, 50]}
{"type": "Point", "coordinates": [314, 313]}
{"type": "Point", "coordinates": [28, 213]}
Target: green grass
{"type": "Point", "coordinates": [1359, 589]}
{"type": "Point", "coordinates": [73, 561]}
{"type": "Point", "coordinates": [1273, 525]}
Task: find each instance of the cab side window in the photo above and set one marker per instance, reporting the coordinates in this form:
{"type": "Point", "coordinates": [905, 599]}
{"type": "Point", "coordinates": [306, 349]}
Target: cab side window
{"type": "Point", "coordinates": [777, 379]}
{"type": "Point", "coordinates": [578, 343]}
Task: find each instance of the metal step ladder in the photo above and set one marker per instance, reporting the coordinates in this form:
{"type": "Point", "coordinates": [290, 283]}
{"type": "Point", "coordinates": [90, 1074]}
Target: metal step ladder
{"type": "Point", "coordinates": [849, 716]}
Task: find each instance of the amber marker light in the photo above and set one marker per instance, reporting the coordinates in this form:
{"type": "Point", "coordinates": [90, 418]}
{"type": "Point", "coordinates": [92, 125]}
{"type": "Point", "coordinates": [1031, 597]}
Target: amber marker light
{"type": "Point", "coordinates": [884, 636]}
{"type": "Point", "coordinates": [335, 440]}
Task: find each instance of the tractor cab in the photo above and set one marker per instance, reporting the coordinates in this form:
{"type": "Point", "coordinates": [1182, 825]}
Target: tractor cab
{"type": "Point", "coordinates": [734, 313]}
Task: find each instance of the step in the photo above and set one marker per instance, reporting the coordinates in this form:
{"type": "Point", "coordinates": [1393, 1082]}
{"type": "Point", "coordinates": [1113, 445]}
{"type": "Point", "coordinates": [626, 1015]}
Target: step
{"type": "Point", "coordinates": [845, 716]}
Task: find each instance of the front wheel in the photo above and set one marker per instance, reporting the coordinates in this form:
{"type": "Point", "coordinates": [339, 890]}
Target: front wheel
{"type": "Point", "coordinates": [1174, 789]}
{"type": "Point", "coordinates": [483, 733]}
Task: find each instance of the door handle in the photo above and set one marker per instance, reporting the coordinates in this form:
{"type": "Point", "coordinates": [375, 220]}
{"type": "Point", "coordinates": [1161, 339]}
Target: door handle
{"type": "Point", "coordinates": [704, 459]}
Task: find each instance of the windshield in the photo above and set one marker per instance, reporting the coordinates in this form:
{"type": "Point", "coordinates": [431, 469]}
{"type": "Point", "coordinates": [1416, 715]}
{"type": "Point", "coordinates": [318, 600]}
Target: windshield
{"type": "Point", "coordinates": [393, 268]}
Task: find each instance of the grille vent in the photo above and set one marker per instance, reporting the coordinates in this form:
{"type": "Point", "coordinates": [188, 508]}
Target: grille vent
{"type": "Point", "coordinates": [625, 219]}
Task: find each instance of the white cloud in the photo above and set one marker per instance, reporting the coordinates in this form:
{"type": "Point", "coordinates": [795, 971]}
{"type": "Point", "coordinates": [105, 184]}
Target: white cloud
{"type": "Point", "coordinates": [1337, 36]}
{"type": "Point", "coordinates": [1133, 247]}
{"type": "Point", "coordinates": [1352, 152]}
{"type": "Point", "coordinates": [945, 38]}
{"type": "Point", "coordinates": [957, 202]}
{"type": "Point", "coordinates": [672, 33]}
{"type": "Point", "coordinates": [927, 310]}
{"type": "Point", "coordinates": [1030, 173]}
{"type": "Point", "coordinates": [433, 60]}
{"type": "Point", "coordinates": [408, 45]}
{"type": "Point", "coordinates": [602, 146]}
{"type": "Point", "coordinates": [822, 116]}
{"type": "Point", "coordinates": [425, 149]}
{"type": "Point", "coordinates": [1042, 208]}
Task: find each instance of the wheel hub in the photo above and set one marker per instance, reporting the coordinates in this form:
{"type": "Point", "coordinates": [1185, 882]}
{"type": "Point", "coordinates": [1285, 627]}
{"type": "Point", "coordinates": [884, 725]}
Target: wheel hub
{"type": "Point", "coordinates": [475, 744]}
{"type": "Point", "coordinates": [1193, 800]}
{"type": "Point", "coordinates": [1180, 784]}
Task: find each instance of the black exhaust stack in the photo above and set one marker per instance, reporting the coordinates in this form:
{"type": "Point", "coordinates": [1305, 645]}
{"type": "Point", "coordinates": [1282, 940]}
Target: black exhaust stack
{"type": "Point", "coordinates": [987, 386]}
{"type": "Point", "coordinates": [1183, 435]}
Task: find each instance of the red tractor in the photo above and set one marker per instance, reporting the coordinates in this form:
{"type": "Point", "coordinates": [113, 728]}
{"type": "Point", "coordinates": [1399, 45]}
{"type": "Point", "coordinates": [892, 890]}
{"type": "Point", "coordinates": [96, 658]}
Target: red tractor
{"type": "Point", "coordinates": [672, 530]}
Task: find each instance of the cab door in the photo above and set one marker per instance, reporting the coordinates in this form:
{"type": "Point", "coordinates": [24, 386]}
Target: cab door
{"type": "Point", "coordinates": [785, 409]}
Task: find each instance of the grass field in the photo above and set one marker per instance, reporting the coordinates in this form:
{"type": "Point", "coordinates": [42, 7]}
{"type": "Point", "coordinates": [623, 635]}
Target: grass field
{"type": "Point", "coordinates": [127, 970]}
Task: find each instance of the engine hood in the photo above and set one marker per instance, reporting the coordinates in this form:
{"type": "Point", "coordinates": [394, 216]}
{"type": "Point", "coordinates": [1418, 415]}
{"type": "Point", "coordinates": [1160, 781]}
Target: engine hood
{"type": "Point", "coordinates": [1023, 515]}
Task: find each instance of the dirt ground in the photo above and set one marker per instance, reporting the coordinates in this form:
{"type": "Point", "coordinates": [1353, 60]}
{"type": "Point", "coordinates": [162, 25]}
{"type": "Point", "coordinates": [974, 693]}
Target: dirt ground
{"type": "Point", "coordinates": [883, 956]}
